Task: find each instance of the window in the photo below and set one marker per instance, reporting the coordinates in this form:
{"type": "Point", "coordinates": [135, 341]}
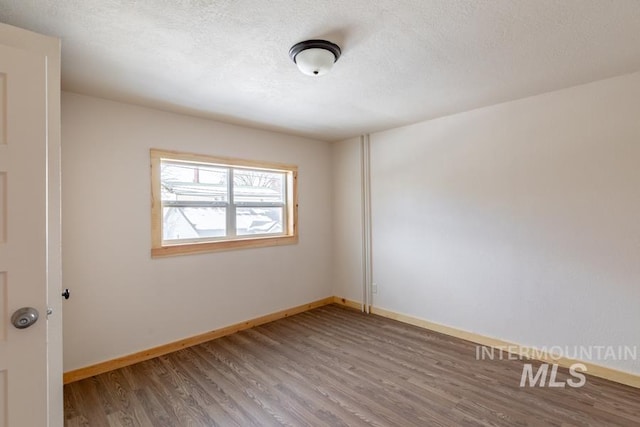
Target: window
{"type": "Point", "coordinates": [203, 203]}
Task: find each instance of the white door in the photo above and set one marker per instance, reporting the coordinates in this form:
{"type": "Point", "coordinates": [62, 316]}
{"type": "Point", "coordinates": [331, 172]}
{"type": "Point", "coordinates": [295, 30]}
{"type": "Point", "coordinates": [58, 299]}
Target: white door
{"type": "Point", "coordinates": [25, 385]}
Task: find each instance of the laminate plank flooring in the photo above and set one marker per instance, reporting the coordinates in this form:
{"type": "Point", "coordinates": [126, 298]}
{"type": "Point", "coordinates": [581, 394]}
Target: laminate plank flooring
{"type": "Point", "coordinates": [334, 366]}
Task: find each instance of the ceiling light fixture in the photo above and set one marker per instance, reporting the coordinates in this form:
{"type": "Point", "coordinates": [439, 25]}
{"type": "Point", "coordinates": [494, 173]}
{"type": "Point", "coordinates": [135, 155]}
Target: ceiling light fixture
{"type": "Point", "coordinates": [314, 57]}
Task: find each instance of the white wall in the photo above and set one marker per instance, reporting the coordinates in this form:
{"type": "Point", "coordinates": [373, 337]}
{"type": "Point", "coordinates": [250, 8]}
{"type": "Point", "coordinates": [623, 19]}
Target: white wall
{"type": "Point", "coordinates": [122, 300]}
{"type": "Point", "coordinates": [519, 221]}
{"type": "Point", "coordinates": [347, 211]}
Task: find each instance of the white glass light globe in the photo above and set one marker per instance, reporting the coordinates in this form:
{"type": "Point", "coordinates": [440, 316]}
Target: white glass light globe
{"type": "Point", "coordinates": [315, 61]}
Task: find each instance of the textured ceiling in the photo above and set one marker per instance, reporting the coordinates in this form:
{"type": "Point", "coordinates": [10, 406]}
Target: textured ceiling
{"type": "Point", "coordinates": [402, 62]}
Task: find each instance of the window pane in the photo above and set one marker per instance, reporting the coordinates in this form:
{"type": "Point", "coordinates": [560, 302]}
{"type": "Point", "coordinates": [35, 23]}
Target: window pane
{"type": "Point", "coordinates": [192, 182]}
{"type": "Point", "coordinates": [193, 223]}
{"type": "Point", "coordinates": [253, 186]}
{"type": "Point", "coordinates": [259, 221]}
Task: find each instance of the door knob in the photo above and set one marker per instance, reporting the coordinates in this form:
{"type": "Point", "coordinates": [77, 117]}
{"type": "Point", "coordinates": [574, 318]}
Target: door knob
{"type": "Point", "coordinates": [24, 317]}
{"type": "Point", "coordinates": [66, 294]}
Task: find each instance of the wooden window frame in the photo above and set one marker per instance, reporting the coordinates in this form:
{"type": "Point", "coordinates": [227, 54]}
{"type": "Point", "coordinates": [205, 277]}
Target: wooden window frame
{"type": "Point", "coordinates": [160, 248]}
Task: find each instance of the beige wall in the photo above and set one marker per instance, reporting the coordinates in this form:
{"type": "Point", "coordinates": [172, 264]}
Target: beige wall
{"type": "Point", "coordinates": [122, 300]}
{"type": "Point", "coordinates": [519, 221]}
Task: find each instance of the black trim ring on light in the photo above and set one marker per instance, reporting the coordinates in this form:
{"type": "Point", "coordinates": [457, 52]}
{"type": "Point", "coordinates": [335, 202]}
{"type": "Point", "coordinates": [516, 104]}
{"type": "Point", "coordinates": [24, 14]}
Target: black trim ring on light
{"type": "Point", "coordinates": [314, 44]}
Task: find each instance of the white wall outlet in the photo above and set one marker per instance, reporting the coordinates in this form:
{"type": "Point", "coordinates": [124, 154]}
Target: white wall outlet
{"type": "Point", "coordinates": [374, 288]}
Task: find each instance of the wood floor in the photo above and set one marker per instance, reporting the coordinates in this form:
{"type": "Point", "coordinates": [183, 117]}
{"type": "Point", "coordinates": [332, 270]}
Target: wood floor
{"type": "Point", "coordinates": [334, 366]}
